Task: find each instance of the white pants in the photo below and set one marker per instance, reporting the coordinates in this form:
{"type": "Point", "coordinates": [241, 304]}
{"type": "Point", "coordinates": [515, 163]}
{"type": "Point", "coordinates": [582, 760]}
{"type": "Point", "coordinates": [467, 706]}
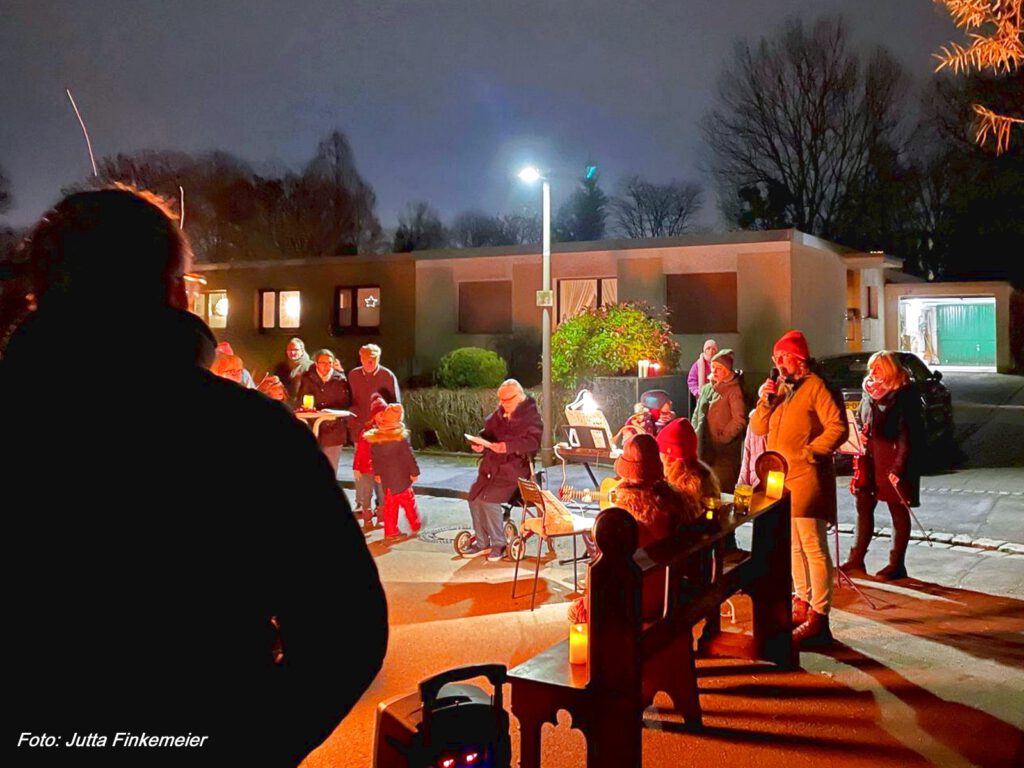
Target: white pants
{"type": "Point", "coordinates": [812, 564]}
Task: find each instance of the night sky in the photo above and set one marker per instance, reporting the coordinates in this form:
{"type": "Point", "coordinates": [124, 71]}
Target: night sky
{"type": "Point", "coordinates": [442, 100]}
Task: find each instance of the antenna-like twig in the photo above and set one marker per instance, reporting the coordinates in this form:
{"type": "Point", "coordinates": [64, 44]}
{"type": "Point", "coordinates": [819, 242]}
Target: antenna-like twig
{"type": "Point", "coordinates": [81, 122]}
{"type": "Point", "coordinates": [181, 222]}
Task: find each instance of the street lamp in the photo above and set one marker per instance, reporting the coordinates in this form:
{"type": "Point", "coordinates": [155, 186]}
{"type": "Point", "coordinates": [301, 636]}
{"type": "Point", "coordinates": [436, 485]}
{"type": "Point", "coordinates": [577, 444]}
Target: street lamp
{"type": "Point", "coordinates": [545, 301]}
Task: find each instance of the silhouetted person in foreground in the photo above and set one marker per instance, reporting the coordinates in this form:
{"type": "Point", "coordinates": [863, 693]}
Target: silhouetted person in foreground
{"type": "Point", "coordinates": [151, 537]}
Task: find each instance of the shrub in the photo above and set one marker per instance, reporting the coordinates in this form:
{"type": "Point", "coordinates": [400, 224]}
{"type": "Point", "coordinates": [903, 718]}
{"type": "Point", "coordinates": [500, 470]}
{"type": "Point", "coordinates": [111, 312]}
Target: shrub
{"type": "Point", "coordinates": [609, 340]}
{"type": "Point", "coordinates": [442, 416]}
{"type": "Point", "coordinates": [471, 368]}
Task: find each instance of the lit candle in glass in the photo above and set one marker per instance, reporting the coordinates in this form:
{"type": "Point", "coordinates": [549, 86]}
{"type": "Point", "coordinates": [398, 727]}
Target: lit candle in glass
{"type": "Point", "coordinates": [775, 482]}
{"type": "Point", "coordinates": [307, 402]}
{"type": "Point", "coordinates": [577, 643]}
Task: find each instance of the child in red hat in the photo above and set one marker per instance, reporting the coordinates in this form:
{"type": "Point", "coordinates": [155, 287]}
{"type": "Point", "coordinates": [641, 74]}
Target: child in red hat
{"type": "Point", "coordinates": [394, 467]}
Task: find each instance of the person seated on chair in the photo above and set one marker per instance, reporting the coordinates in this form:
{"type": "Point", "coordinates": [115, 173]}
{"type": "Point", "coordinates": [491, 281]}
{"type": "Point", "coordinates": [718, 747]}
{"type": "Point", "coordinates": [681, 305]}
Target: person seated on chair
{"type": "Point", "coordinates": [658, 508]}
{"type": "Point", "coordinates": [639, 423]}
{"type": "Point", "coordinates": [514, 431]}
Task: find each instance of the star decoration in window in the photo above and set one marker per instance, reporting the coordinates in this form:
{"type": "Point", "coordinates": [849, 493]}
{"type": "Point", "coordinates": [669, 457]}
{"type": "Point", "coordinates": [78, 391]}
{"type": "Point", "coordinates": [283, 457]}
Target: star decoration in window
{"type": "Point", "coordinates": [371, 302]}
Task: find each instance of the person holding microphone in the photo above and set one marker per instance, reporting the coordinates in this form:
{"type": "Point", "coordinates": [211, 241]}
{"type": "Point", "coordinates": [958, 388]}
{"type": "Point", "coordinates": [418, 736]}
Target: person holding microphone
{"type": "Point", "coordinates": [804, 422]}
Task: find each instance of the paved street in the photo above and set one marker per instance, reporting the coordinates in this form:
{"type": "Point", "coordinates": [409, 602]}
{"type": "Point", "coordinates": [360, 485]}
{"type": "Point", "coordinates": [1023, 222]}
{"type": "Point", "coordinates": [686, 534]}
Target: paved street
{"type": "Point", "coordinates": [925, 672]}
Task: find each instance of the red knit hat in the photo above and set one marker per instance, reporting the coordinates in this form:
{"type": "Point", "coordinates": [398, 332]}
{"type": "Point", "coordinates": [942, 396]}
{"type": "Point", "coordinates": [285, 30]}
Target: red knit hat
{"type": "Point", "coordinates": [678, 440]}
{"type": "Point", "coordinates": [390, 417]}
{"type": "Point", "coordinates": [640, 461]}
{"type": "Point", "coordinates": [794, 343]}
{"type": "Point", "coordinates": [377, 404]}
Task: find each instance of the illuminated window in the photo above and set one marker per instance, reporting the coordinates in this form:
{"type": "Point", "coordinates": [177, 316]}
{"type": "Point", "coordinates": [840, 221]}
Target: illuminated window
{"type": "Point", "coordinates": [357, 309]}
{"type": "Point", "coordinates": [576, 295]}
{"type": "Point", "coordinates": [280, 309]}
{"type": "Point", "coordinates": [212, 306]}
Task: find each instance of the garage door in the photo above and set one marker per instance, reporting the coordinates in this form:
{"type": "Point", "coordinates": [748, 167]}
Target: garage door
{"type": "Point", "coordinates": [967, 334]}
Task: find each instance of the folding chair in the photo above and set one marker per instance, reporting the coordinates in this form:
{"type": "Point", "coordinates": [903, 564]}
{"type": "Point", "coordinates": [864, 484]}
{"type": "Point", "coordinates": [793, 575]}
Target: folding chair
{"type": "Point", "coordinates": [552, 521]}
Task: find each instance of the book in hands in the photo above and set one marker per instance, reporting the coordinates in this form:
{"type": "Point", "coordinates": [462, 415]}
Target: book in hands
{"type": "Point", "coordinates": [478, 440]}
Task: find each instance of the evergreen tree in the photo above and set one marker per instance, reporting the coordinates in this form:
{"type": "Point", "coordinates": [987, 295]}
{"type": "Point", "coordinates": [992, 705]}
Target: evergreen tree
{"type": "Point", "coordinates": [583, 215]}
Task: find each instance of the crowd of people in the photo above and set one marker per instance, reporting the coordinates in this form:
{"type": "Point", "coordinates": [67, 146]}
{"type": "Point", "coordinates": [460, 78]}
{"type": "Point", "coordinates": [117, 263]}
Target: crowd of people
{"type": "Point", "coordinates": [258, 640]}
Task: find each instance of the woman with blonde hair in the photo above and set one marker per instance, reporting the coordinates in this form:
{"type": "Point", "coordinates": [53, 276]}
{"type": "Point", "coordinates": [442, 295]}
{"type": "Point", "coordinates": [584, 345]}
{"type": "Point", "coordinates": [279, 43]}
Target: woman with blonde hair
{"type": "Point", "coordinates": [889, 470]}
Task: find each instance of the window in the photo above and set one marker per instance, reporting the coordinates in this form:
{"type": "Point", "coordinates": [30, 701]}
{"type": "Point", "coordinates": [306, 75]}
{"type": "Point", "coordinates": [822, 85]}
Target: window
{"type": "Point", "coordinates": [576, 295]}
{"type": "Point", "coordinates": [280, 309]}
{"type": "Point", "coordinates": [485, 306]}
{"type": "Point", "coordinates": [872, 301]}
{"type": "Point", "coordinates": [212, 306]}
{"type": "Point", "coordinates": [702, 302]}
{"type": "Point", "coordinates": [356, 308]}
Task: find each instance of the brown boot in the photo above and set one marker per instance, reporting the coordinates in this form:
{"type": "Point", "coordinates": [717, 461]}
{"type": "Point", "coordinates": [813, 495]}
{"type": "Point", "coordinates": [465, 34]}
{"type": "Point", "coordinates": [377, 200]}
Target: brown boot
{"type": "Point", "coordinates": [813, 632]}
{"type": "Point", "coordinates": [800, 609]}
{"type": "Point", "coordinates": [854, 562]}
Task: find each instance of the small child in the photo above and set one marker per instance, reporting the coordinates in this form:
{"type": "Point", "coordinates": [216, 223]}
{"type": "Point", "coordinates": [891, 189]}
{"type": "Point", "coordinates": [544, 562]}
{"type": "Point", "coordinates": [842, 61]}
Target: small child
{"type": "Point", "coordinates": [665, 415]}
{"type": "Point", "coordinates": [362, 470]}
{"type": "Point", "coordinates": [395, 468]}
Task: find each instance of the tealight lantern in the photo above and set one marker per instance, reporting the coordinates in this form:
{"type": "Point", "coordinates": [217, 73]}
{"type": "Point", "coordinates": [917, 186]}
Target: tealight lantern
{"type": "Point", "coordinates": [776, 481]}
{"type": "Point", "coordinates": [577, 643]}
{"type": "Point", "coordinates": [711, 506]}
{"type": "Point", "coordinates": [307, 402]}
{"type": "Point", "coordinates": [655, 367]}
{"type": "Point", "coordinates": [642, 368]}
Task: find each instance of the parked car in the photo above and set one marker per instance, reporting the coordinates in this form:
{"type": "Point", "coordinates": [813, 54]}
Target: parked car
{"type": "Point", "coordinates": [847, 372]}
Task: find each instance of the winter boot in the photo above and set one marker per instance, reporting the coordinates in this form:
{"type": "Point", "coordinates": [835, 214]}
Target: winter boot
{"type": "Point", "coordinates": [813, 632]}
{"type": "Point", "coordinates": [800, 609]}
{"type": "Point", "coordinates": [854, 562]}
{"type": "Point", "coordinates": [895, 569]}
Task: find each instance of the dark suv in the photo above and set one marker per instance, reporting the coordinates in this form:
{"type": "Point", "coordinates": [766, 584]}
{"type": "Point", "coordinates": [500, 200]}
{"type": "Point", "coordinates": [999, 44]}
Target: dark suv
{"type": "Point", "coordinates": [847, 372]}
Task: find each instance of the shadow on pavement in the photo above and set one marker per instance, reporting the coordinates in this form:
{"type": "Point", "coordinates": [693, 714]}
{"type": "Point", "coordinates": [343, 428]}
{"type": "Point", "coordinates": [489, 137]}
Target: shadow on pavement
{"type": "Point", "coordinates": [980, 738]}
{"type": "Point", "coordinates": [984, 626]}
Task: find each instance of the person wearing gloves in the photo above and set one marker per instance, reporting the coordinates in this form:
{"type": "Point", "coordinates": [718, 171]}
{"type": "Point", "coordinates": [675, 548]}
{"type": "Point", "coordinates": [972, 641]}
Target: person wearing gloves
{"type": "Point", "coordinates": [803, 421]}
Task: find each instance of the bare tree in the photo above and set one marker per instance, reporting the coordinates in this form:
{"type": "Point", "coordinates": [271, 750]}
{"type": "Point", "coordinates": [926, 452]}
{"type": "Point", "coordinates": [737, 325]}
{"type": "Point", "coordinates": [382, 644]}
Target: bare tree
{"type": "Point", "coordinates": [521, 228]}
{"type": "Point", "coordinates": [475, 229]}
{"type": "Point", "coordinates": [800, 114]}
{"type": "Point", "coordinates": [5, 191]}
{"type": "Point", "coordinates": [643, 209]}
{"type": "Point", "coordinates": [419, 229]}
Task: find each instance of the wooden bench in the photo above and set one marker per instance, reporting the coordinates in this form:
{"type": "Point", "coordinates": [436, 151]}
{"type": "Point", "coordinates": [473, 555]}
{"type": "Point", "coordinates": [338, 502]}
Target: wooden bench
{"type": "Point", "coordinates": [631, 660]}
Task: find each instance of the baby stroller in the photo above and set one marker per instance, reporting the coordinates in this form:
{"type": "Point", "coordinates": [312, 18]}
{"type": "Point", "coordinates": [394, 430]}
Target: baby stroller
{"type": "Point", "coordinates": [466, 539]}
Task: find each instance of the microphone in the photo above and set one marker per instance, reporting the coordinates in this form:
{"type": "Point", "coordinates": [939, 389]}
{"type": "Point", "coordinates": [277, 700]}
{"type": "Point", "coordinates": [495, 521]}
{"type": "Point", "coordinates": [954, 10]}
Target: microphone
{"type": "Point", "coordinates": [774, 376]}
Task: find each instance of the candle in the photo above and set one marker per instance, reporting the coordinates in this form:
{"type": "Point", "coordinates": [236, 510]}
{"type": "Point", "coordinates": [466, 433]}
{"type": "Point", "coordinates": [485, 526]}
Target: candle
{"type": "Point", "coordinates": [775, 483]}
{"type": "Point", "coordinates": [307, 402]}
{"type": "Point", "coordinates": [577, 643]}
{"type": "Point", "coordinates": [642, 367]}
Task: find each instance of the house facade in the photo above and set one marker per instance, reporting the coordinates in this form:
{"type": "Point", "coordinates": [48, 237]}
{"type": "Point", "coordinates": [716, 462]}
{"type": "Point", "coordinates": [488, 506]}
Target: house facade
{"type": "Point", "coordinates": [743, 289]}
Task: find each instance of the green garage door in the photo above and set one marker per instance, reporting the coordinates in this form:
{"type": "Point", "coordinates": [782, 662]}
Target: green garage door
{"type": "Point", "coordinates": [967, 334]}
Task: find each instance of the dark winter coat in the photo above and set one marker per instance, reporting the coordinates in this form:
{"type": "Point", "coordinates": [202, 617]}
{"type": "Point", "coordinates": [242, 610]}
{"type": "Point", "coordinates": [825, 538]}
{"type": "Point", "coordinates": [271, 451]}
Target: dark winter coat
{"type": "Point", "coordinates": [364, 386]}
{"type": "Point", "coordinates": [720, 422]}
{"type": "Point", "coordinates": [143, 575]}
{"type": "Point", "coordinates": [895, 427]}
{"type": "Point", "coordinates": [333, 393]}
{"type": "Point", "coordinates": [393, 459]}
{"type": "Point", "coordinates": [498, 472]}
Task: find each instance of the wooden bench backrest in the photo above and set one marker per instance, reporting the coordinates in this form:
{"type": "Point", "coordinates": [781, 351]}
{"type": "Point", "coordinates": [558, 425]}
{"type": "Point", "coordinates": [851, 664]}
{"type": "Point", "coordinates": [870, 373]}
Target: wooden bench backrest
{"type": "Point", "coordinates": [619, 639]}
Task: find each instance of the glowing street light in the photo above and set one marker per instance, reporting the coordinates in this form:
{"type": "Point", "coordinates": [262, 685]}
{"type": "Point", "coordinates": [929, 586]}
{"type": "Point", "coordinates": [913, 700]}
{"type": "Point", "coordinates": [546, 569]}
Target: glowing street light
{"type": "Point", "coordinates": [545, 301]}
